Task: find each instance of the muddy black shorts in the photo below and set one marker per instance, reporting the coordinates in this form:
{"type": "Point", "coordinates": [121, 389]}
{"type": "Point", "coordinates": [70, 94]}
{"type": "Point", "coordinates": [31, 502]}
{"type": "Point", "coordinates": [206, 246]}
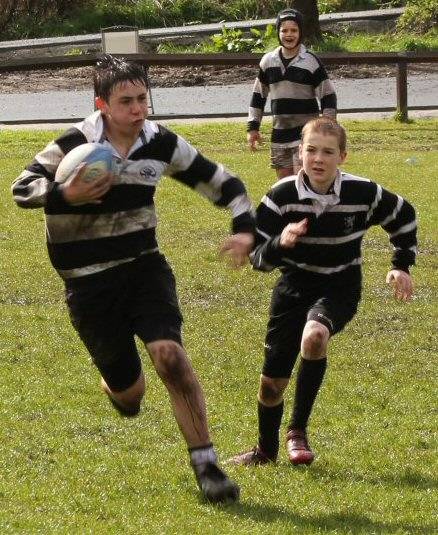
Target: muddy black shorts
{"type": "Point", "coordinates": [109, 309]}
{"type": "Point", "coordinates": [332, 304]}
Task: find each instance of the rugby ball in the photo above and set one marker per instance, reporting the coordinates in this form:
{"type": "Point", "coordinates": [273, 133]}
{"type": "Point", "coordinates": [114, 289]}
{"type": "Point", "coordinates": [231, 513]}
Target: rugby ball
{"type": "Point", "coordinates": [98, 161]}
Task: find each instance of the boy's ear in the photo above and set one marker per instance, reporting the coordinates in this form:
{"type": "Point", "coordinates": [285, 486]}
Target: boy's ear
{"type": "Point", "coordinates": [100, 103]}
{"type": "Point", "coordinates": [342, 157]}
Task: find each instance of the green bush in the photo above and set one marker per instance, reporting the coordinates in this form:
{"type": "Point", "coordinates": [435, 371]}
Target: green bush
{"type": "Point", "coordinates": [232, 40]}
{"type": "Point", "coordinates": [420, 16]}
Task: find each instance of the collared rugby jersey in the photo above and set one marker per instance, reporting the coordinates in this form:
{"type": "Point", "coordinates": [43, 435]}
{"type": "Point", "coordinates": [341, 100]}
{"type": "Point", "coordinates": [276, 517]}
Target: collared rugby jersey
{"type": "Point", "coordinates": [90, 238]}
{"type": "Point", "coordinates": [295, 92]}
{"type": "Point", "coordinates": [337, 223]}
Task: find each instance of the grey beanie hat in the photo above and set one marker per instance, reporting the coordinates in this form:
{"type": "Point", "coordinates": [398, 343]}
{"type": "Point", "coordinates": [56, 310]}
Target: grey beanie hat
{"type": "Point", "coordinates": [290, 14]}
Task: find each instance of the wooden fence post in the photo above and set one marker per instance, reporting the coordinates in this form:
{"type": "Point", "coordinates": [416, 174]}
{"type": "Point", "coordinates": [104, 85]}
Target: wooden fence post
{"type": "Point", "coordinates": [402, 91]}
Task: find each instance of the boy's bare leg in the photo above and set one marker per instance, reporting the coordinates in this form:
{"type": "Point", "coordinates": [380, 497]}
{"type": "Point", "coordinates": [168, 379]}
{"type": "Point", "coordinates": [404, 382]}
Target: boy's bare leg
{"type": "Point", "coordinates": [174, 368]}
{"type": "Point", "coordinates": [186, 396]}
{"type": "Point", "coordinates": [127, 401]}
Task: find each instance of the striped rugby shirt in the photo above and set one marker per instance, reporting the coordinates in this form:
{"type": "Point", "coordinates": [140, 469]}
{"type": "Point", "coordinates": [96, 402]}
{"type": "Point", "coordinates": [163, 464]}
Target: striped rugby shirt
{"type": "Point", "coordinates": [337, 223]}
{"type": "Point", "coordinates": [295, 92]}
{"type": "Point", "coordinates": [90, 238]}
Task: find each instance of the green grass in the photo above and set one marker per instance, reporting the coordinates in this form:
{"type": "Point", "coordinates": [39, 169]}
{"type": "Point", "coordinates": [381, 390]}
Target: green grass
{"type": "Point", "coordinates": [382, 42]}
{"type": "Point", "coordinates": [69, 464]}
{"type": "Point", "coordinates": [344, 41]}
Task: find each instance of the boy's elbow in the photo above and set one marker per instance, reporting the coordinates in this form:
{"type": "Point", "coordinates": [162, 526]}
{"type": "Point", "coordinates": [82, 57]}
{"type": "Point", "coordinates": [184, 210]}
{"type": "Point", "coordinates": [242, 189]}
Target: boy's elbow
{"type": "Point", "coordinates": [22, 199]}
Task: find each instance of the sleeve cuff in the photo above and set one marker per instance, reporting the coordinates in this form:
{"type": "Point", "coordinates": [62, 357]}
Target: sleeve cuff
{"type": "Point", "coordinates": [253, 125]}
{"type": "Point", "coordinates": [243, 223]}
{"type": "Point", "coordinates": [402, 268]}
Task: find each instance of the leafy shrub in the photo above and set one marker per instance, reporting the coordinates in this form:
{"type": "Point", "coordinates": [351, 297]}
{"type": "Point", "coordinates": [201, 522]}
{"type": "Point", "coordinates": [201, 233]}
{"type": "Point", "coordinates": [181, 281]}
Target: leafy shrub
{"type": "Point", "coordinates": [420, 16]}
{"type": "Point", "coordinates": [385, 42]}
{"type": "Point", "coordinates": [234, 40]}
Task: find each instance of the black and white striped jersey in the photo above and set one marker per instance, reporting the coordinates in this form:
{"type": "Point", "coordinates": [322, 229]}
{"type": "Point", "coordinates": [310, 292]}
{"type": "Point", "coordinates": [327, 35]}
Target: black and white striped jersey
{"type": "Point", "coordinates": [337, 223]}
{"type": "Point", "coordinates": [90, 238]}
{"type": "Point", "coordinates": [294, 91]}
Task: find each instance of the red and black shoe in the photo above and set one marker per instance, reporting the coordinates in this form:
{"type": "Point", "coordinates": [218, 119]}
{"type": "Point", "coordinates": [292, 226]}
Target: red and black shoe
{"type": "Point", "coordinates": [254, 457]}
{"type": "Point", "coordinates": [298, 449]}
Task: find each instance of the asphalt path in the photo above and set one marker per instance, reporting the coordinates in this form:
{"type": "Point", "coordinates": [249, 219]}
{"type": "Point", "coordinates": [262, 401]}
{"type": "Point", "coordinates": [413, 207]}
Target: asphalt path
{"type": "Point", "coordinates": [223, 101]}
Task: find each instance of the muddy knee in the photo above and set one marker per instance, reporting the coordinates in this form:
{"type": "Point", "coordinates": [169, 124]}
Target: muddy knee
{"type": "Point", "coordinates": [271, 390]}
{"type": "Point", "coordinates": [171, 362]}
{"type": "Point", "coordinates": [314, 341]}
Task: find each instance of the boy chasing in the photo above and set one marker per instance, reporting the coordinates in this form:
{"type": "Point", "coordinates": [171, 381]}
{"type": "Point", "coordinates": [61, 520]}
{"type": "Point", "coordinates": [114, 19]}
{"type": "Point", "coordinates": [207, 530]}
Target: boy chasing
{"type": "Point", "coordinates": [311, 227]}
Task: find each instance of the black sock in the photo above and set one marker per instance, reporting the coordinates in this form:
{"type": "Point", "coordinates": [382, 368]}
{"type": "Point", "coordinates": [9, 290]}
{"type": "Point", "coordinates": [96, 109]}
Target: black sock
{"type": "Point", "coordinates": [309, 379]}
{"type": "Point", "coordinates": [269, 426]}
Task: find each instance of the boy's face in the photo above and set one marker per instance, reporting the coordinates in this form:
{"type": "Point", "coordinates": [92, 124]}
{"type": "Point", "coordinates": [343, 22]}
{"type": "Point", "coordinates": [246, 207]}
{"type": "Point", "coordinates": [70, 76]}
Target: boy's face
{"type": "Point", "coordinates": [126, 108]}
{"type": "Point", "coordinates": [321, 157]}
{"type": "Point", "coordinates": [289, 35]}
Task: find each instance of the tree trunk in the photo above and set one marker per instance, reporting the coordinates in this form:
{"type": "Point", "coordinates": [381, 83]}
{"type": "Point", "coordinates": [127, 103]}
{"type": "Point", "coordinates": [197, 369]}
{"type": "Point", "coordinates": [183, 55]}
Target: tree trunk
{"type": "Point", "coordinates": [309, 9]}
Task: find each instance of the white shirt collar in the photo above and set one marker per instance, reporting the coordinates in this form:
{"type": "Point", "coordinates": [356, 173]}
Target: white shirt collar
{"type": "Point", "coordinates": [318, 200]}
{"type": "Point", "coordinates": [300, 54]}
{"type": "Point", "coordinates": [93, 129]}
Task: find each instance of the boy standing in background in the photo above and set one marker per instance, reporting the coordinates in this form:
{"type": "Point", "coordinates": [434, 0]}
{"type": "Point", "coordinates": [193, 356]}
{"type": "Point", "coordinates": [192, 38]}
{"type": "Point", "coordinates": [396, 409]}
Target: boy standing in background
{"type": "Point", "coordinates": [296, 80]}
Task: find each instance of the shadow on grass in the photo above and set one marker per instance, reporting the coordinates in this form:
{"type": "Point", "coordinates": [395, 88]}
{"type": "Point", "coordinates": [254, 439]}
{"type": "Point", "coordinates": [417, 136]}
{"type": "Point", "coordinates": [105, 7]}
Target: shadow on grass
{"type": "Point", "coordinates": [332, 522]}
{"type": "Point", "coordinates": [409, 478]}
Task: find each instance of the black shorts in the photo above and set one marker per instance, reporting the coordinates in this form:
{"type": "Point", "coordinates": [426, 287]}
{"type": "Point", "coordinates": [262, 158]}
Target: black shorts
{"type": "Point", "coordinates": [332, 304]}
{"type": "Point", "coordinates": [107, 310]}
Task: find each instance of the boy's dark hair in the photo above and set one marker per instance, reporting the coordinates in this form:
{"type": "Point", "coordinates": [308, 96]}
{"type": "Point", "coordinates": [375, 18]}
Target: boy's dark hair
{"type": "Point", "coordinates": [329, 127]}
{"type": "Point", "coordinates": [290, 14]}
{"type": "Point", "coordinates": [110, 71]}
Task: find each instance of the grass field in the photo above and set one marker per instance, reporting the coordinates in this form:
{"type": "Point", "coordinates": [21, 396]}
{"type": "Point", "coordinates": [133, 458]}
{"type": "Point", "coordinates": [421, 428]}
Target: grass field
{"type": "Point", "coordinates": [69, 464]}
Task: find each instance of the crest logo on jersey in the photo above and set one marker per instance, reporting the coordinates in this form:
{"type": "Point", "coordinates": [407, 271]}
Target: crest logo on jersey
{"type": "Point", "coordinates": [148, 172]}
{"type": "Point", "coordinates": [349, 223]}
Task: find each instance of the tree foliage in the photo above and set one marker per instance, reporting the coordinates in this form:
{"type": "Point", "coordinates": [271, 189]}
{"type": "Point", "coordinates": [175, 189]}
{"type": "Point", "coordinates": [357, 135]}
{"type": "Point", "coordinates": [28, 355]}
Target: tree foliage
{"type": "Point", "coordinates": [420, 16]}
{"type": "Point", "coordinates": [14, 10]}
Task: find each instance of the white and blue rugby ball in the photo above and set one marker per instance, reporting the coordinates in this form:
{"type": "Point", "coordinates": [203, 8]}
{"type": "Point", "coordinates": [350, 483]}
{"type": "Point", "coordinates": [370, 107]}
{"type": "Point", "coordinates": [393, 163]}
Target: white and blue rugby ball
{"type": "Point", "coordinates": [98, 160]}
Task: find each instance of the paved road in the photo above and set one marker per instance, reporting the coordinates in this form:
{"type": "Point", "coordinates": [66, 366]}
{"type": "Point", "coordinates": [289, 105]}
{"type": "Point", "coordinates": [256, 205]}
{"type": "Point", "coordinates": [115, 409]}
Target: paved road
{"type": "Point", "coordinates": [219, 100]}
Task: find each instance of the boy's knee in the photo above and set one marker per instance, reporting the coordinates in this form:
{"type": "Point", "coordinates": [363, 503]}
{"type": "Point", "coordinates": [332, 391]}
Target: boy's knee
{"type": "Point", "coordinates": [170, 361]}
{"type": "Point", "coordinates": [314, 341]}
{"type": "Point", "coordinates": [271, 390]}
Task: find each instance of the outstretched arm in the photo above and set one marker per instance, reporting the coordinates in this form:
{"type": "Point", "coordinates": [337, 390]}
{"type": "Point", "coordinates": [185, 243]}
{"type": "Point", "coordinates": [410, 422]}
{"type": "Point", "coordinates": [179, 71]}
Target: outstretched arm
{"type": "Point", "coordinates": [397, 218]}
{"type": "Point", "coordinates": [222, 188]}
{"type": "Point", "coordinates": [237, 248]}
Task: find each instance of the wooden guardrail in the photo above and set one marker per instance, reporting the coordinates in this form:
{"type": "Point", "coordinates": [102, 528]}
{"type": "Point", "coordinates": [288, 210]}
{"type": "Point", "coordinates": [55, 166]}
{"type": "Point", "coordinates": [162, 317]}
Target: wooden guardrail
{"type": "Point", "coordinates": [400, 59]}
